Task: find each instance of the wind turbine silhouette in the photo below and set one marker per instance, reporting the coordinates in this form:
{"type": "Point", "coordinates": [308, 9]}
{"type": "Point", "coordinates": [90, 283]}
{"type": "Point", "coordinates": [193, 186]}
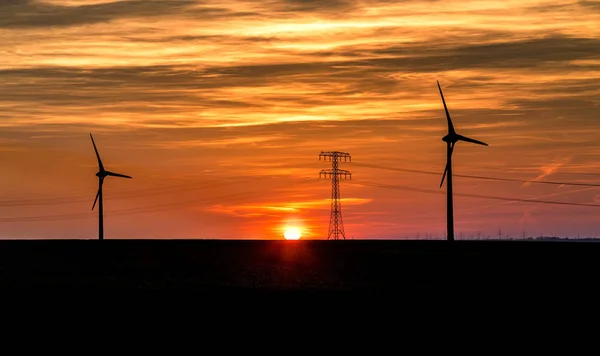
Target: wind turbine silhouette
{"type": "Point", "coordinates": [451, 138]}
{"type": "Point", "coordinates": [102, 173]}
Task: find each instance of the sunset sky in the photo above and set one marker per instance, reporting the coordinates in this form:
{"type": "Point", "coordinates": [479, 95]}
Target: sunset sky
{"type": "Point", "coordinates": [219, 110]}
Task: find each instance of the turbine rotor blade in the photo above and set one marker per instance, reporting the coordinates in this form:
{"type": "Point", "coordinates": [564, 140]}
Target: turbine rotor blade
{"type": "Point", "coordinates": [97, 155]}
{"type": "Point", "coordinates": [98, 194]}
{"type": "Point", "coordinates": [444, 175]}
{"type": "Point", "coordinates": [451, 149]}
{"type": "Point", "coordinates": [109, 173]}
{"type": "Point", "coordinates": [450, 126]}
{"type": "Point", "coordinates": [95, 200]}
{"type": "Point", "coordinates": [467, 139]}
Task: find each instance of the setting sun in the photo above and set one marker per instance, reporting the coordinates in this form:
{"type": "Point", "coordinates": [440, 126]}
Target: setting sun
{"type": "Point", "coordinates": [292, 233]}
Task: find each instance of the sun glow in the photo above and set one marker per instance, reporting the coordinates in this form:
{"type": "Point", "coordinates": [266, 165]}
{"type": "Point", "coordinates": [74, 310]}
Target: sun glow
{"type": "Point", "coordinates": [292, 233]}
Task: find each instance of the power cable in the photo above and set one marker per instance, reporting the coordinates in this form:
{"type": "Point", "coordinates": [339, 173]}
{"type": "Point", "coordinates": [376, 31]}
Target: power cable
{"type": "Point", "coordinates": [476, 177]}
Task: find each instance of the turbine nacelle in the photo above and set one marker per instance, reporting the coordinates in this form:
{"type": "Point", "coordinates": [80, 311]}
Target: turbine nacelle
{"type": "Point", "coordinates": [454, 138]}
{"type": "Point", "coordinates": [104, 174]}
{"type": "Point", "coordinates": [449, 139]}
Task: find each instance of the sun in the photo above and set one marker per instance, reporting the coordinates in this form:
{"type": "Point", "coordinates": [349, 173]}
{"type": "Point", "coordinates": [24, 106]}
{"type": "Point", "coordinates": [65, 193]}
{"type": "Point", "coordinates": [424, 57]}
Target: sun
{"type": "Point", "coordinates": [292, 233]}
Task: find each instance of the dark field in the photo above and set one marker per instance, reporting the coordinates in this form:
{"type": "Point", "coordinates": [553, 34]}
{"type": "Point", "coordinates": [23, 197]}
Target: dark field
{"type": "Point", "coordinates": [459, 268]}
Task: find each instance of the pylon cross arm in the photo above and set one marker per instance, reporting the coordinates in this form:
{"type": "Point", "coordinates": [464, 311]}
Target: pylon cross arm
{"type": "Point", "coordinates": [335, 155]}
{"type": "Point", "coordinates": [329, 173]}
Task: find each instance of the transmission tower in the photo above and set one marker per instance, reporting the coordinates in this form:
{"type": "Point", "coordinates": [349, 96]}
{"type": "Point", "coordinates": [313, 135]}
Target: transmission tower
{"type": "Point", "coordinates": [336, 225]}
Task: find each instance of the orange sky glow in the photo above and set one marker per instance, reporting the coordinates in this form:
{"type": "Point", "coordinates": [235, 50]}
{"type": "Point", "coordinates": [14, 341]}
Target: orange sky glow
{"type": "Point", "coordinates": [219, 110]}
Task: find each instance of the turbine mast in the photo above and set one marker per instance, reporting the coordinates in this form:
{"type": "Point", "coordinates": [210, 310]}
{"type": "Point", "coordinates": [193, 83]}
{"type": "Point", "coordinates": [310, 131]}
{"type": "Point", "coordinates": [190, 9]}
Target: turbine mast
{"type": "Point", "coordinates": [100, 213]}
{"type": "Point", "coordinates": [336, 224]}
{"type": "Point", "coordinates": [449, 199]}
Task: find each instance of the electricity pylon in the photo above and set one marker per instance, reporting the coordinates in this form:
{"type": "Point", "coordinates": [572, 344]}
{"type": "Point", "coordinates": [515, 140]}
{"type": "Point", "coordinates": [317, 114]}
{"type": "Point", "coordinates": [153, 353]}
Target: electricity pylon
{"type": "Point", "coordinates": [336, 225]}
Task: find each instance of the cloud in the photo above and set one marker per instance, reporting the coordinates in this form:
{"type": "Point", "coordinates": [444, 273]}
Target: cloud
{"type": "Point", "coordinates": [271, 208]}
{"type": "Point", "coordinates": [169, 88]}
{"type": "Point", "coordinates": [529, 53]}
{"type": "Point", "coordinates": [36, 14]}
{"type": "Point", "coordinates": [224, 142]}
{"type": "Point", "coordinates": [594, 5]}
{"type": "Point", "coordinates": [549, 169]}
{"type": "Point", "coordinates": [311, 6]}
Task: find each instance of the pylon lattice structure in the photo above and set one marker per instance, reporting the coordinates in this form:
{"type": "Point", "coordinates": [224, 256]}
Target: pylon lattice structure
{"type": "Point", "coordinates": [336, 224]}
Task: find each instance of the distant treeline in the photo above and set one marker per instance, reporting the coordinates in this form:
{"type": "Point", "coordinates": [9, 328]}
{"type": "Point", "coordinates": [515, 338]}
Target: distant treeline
{"type": "Point", "coordinates": [546, 238]}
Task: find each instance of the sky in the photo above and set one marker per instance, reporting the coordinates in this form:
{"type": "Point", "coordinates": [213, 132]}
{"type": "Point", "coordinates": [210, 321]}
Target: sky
{"type": "Point", "coordinates": [219, 111]}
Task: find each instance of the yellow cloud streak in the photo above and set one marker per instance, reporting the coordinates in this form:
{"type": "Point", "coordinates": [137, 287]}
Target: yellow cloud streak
{"type": "Point", "coordinates": [286, 207]}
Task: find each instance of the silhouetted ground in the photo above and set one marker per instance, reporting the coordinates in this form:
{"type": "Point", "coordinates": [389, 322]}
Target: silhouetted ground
{"type": "Point", "coordinates": [469, 269]}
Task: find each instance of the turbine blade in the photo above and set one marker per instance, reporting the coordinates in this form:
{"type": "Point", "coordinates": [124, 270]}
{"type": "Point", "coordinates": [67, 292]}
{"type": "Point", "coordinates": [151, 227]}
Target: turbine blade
{"type": "Point", "coordinates": [450, 147]}
{"type": "Point", "coordinates": [109, 173]}
{"type": "Point", "coordinates": [444, 175]}
{"type": "Point", "coordinates": [450, 126]}
{"type": "Point", "coordinates": [95, 200]}
{"type": "Point", "coordinates": [98, 193]}
{"type": "Point", "coordinates": [467, 139]}
{"type": "Point", "coordinates": [97, 155]}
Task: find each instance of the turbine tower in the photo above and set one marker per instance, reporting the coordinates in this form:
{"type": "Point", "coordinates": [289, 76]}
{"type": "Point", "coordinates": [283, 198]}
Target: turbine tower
{"type": "Point", "coordinates": [451, 138]}
{"type": "Point", "coordinates": [336, 225]}
{"type": "Point", "coordinates": [102, 173]}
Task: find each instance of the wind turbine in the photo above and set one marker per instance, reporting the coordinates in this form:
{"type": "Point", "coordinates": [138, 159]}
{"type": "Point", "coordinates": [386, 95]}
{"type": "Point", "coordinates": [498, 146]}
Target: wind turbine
{"type": "Point", "coordinates": [102, 173]}
{"type": "Point", "coordinates": [451, 138]}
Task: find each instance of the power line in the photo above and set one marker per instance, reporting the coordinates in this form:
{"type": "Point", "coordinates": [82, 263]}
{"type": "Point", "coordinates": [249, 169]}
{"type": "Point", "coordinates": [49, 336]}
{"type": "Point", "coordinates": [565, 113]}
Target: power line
{"type": "Point", "coordinates": [512, 168]}
{"type": "Point", "coordinates": [120, 212]}
{"type": "Point", "coordinates": [151, 208]}
{"type": "Point", "coordinates": [431, 191]}
{"type": "Point", "coordinates": [477, 177]}
{"type": "Point", "coordinates": [183, 187]}
{"type": "Point", "coordinates": [202, 185]}
{"type": "Point", "coordinates": [538, 198]}
{"type": "Point", "coordinates": [127, 194]}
